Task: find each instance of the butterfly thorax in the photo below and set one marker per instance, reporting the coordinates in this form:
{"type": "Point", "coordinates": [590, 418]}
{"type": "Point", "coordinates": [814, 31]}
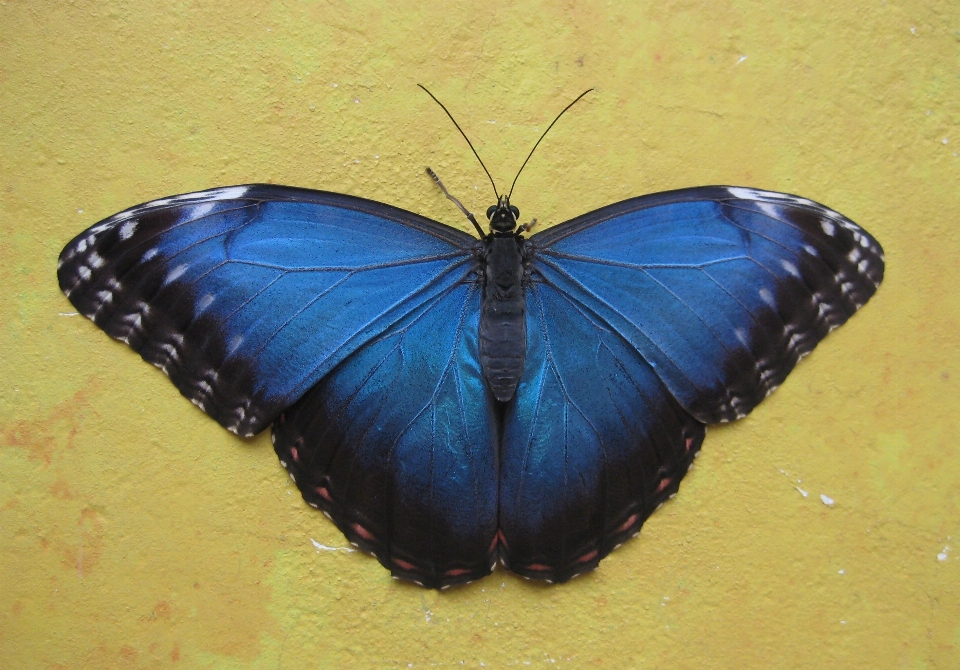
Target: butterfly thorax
{"type": "Point", "coordinates": [503, 332]}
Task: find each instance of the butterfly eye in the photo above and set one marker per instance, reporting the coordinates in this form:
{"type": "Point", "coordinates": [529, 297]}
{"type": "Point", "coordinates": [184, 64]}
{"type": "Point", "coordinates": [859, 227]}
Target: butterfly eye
{"type": "Point", "coordinates": [516, 212]}
{"type": "Point", "coordinates": [490, 210]}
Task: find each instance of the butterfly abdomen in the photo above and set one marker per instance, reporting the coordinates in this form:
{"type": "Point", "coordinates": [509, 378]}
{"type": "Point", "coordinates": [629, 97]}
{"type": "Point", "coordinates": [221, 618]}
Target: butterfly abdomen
{"type": "Point", "coordinates": [503, 333]}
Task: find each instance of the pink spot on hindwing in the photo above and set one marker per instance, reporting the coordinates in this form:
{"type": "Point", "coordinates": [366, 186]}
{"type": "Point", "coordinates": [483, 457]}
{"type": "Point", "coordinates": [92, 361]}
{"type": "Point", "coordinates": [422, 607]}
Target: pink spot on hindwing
{"type": "Point", "coordinates": [362, 532]}
{"type": "Point", "coordinates": [323, 493]}
{"type": "Point", "coordinates": [589, 556]}
{"type": "Point", "coordinates": [628, 523]}
{"type": "Point", "coordinates": [404, 564]}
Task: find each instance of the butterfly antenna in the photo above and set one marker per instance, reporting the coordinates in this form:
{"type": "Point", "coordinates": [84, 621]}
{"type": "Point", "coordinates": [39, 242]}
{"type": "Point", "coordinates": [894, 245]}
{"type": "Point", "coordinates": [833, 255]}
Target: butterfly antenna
{"type": "Point", "coordinates": [541, 138]}
{"type": "Point", "coordinates": [466, 138]}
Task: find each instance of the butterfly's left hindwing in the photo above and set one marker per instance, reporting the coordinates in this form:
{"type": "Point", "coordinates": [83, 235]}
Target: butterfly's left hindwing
{"type": "Point", "coordinates": [398, 445]}
{"type": "Point", "coordinates": [246, 296]}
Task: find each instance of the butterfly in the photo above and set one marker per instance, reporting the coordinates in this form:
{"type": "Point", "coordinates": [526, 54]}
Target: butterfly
{"type": "Point", "coordinates": [450, 402]}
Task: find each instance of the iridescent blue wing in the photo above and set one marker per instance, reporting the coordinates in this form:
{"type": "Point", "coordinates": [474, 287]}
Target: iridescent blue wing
{"type": "Point", "coordinates": [592, 443]}
{"type": "Point", "coordinates": [398, 445]}
{"type": "Point", "coordinates": [247, 296]}
{"type": "Point", "coordinates": [647, 319]}
{"type": "Point", "coordinates": [720, 289]}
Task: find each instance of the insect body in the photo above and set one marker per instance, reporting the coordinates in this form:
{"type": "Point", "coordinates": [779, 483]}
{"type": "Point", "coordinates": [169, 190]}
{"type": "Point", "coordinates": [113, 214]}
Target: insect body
{"type": "Point", "coordinates": [503, 335]}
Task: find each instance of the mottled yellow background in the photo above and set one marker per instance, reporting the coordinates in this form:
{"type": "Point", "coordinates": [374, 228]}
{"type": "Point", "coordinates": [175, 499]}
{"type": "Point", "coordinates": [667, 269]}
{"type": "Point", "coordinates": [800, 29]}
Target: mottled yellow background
{"type": "Point", "coordinates": [137, 533]}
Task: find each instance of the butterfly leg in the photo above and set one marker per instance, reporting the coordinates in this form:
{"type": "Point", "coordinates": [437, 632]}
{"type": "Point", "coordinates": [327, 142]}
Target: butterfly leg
{"type": "Point", "coordinates": [469, 215]}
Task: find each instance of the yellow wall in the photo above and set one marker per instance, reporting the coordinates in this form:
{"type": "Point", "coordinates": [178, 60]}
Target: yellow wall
{"type": "Point", "coordinates": [136, 533]}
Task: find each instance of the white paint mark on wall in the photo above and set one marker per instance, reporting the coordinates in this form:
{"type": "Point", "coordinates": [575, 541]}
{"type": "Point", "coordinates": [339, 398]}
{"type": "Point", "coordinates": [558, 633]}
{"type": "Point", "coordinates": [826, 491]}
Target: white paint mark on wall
{"type": "Point", "coordinates": [742, 58]}
{"type": "Point", "coordinates": [323, 547]}
{"type": "Point", "coordinates": [942, 556]}
{"type": "Point", "coordinates": [802, 492]}
{"type": "Point", "coordinates": [827, 500]}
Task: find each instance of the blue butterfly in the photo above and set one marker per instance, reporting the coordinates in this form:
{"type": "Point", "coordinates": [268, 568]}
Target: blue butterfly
{"type": "Point", "coordinates": [451, 401]}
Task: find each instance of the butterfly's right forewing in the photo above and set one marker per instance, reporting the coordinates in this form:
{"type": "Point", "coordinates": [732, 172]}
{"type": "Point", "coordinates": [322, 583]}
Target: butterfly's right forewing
{"type": "Point", "coordinates": [721, 289]}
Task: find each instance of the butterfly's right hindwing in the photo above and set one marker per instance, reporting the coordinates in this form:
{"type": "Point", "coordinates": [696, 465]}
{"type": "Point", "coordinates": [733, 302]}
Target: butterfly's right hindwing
{"type": "Point", "coordinates": [592, 445]}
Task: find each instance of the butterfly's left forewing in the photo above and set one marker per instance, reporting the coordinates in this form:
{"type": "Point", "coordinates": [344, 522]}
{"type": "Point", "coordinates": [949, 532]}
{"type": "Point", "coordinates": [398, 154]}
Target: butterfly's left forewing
{"type": "Point", "coordinates": [246, 296]}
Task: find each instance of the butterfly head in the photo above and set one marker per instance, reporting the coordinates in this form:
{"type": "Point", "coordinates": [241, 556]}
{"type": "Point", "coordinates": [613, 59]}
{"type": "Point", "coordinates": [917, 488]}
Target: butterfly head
{"type": "Point", "coordinates": [503, 216]}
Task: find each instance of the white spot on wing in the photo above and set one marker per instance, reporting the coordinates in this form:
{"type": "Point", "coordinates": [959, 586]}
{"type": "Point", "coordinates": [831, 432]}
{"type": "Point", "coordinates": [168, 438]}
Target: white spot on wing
{"type": "Point", "coordinates": [828, 227]}
{"type": "Point", "coordinates": [149, 254]}
{"type": "Point", "coordinates": [790, 267]}
{"type": "Point", "coordinates": [769, 209]}
{"type": "Point", "coordinates": [201, 210]}
{"type": "Point", "coordinates": [228, 193]}
{"type": "Point", "coordinates": [128, 229]}
{"type": "Point", "coordinates": [205, 302]}
{"type": "Point", "coordinates": [767, 297]}
{"type": "Point", "coordinates": [95, 260]}
{"type": "Point", "coordinates": [759, 195]}
{"type": "Point", "coordinates": [176, 272]}
{"type": "Point", "coordinates": [744, 193]}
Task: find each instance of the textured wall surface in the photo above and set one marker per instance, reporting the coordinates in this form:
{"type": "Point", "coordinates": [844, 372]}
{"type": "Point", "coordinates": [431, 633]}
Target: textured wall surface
{"type": "Point", "coordinates": [136, 533]}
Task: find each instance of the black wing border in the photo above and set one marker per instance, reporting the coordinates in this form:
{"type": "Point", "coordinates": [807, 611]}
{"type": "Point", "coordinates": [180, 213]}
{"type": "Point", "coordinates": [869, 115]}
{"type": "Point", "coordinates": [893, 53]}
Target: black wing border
{"type": "Point", "coordinates": [715, 193]}
{"type": "Point", "coordinates": [262, 192]}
